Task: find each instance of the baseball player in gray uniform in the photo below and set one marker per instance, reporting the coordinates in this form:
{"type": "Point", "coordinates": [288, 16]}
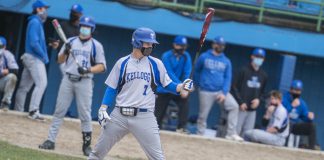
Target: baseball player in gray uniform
{"type": "Point", "coordinates": [133, 81]}
{"type": "Point", "coordinates": [8, 74]}
{"type": "Point", "coordinates": [277, 121]}
{"type": "Point", "coordinates": [77, 81]}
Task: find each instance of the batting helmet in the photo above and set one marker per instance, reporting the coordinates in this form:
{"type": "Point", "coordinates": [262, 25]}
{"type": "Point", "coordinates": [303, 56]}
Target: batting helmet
{"type": "Point", "coordinates": [141, 35]}
{"type": "Point", "coordinates": [297, 84]}
{"type": "Point", "coordinates": [77, 8]}
{"type": "Point", "coordinates": [219, 40]}
{"type": "Point", "coordinates": [180, 40]}
{"type": "Point", "coordinates": [259, 52]}
{"type": "Point", "coordinates": [88, 21]}
{"type": "Point", "coordinates": [3, 42]}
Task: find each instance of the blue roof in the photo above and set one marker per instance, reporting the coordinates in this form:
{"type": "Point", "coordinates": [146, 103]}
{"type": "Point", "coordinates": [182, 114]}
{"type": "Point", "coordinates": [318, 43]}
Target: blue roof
{"type": "Point", "coordinates": [167, 22]}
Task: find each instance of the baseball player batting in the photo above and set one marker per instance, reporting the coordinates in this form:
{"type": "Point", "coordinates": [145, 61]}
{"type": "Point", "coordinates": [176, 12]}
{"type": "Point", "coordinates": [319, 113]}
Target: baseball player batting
{"type": "Point", "coordinates": [133, 81]}
{"type": "Point", "coordinates": [77, 81]}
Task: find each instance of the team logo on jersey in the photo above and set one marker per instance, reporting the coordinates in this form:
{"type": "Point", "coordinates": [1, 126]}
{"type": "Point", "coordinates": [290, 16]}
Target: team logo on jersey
{"type": "Point", "coordinates": [254, 82]}
{"type": "Point", "coordinates": [215, 66]}
{"type": "Point", "coordinates": [138, 75]}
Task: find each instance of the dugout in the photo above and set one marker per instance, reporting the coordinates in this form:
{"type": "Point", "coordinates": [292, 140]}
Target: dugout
{"type": "Point", "coordinates": [290, 53]}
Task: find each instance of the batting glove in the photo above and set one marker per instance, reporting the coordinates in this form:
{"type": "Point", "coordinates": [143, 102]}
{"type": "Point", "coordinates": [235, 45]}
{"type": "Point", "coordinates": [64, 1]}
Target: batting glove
{"type": "Point", "coordinates": [83, 70]}
{"type": "Point", "coordinates": [188, 85]}
{"type": "Point", "coordinates": [67, 48]}
{"type": "Point", "coordinates": [103, 116]}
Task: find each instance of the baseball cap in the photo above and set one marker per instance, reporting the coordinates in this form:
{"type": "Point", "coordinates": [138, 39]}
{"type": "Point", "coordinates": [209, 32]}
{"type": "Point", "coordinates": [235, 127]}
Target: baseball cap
{"type": "Point", "coordinates": [297, 84]}
{"type": "Point", "coordinates": [77, 8]}
{"type": "Point", "coordinates": [40, 4]}
{"type": "Point", "coordinates": [180, 40]}
{"type": "Point", "coordinates": [219, 40]}
{"type": "Point", "coordinates": [259, 52]}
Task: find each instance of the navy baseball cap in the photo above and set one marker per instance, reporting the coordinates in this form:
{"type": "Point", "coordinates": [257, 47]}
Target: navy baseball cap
{"type": "Point", "coordinates": [40, 4]}
{"type": "Point", "coordinates": [180, 40]}
{"type": "Point", "coordinates": [77, 8]}
{"type": "Point", "coordinates": [259, 52]}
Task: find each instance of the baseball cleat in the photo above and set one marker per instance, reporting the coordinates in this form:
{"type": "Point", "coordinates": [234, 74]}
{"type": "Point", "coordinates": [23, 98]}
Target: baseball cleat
{"type": "Point", "coordinates": [234, 137]}
{"type": "Point", "coordinates": [86, 150]}
{"type": "Point", "coordinates": [4, 106]}
{"type": "Point", "coordinates": [34, 115]}
{"type": "Point", "coordinates": [182, 131]}
{"type": "Point", "coordinates": [47, 145]}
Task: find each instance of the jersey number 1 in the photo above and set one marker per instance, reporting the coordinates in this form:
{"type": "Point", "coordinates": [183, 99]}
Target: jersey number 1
{"type": "Point", "coordinates": [145, 89]}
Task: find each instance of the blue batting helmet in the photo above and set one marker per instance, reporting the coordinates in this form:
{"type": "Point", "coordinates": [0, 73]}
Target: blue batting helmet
{"type": "Point", "coordinates": [3, 41]}
{"type": "Point", "coordinates": [259, 52]}
{"type": "Point", "coordinates": [88, 21]}
{"type": "Point", "coordinates": [219, 40]}
{"type": "Point", "coordinates": [77, 8]}
{"type": "Point", "coordinates": [141, 35]}
{"type": "Point", "coordinates": [180, 40]}
{"type": "Point", "coordinates": [297, 84]}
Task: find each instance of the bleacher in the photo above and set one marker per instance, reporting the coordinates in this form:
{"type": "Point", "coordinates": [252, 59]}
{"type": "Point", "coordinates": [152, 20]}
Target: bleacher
{"type": "Point", "coordinates": [300, 14]}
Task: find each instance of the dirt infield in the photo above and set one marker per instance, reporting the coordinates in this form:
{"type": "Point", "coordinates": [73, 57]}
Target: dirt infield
{"type": "Point", "coordinates": [18, 129]}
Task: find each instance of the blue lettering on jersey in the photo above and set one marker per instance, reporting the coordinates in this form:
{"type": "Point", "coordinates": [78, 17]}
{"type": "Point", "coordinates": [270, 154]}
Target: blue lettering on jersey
{"type": "Point", "coordinates": [138, 75]}
{"type": "Point", "coordinates": [215, 65]}
{"type": "Point", "coordinates": [81, 53]}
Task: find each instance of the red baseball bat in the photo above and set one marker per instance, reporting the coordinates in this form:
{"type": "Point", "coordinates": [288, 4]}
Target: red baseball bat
{"type": "Point", "coordinates": [208, 18]}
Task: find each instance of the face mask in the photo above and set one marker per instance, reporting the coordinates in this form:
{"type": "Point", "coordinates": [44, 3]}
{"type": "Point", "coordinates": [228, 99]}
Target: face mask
{"type": "Point", "coordinates": [85, 31]}
{"type": "Point", "coordinates": [146, 51]}
{"type": "Point", "coordinates": [258, 62]}
{"type": "Point", "coordinates": [294, 95]}
{"type": "Point", "coordinates": [43, 15]}
{"type": "Point", "coordinates": [179, 51]}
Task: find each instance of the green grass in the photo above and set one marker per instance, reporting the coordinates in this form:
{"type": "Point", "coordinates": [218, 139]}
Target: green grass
{"type": "Point", "coordinates": [12, 152]}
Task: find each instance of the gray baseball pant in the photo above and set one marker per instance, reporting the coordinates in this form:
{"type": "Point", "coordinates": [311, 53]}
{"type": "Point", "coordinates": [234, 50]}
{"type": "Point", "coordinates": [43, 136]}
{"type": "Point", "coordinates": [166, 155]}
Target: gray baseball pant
{"type": "Point", "coordinates": [34, 73]}
{"type": "Point", "coordinates": [264, 137]}
{"type": "Point", "coordinates": [82, 91]}
{"type": "Point", "coordinates": [246, 121]}
{"type": "Point", "coordinates": [206, 101]}
{"type": "Point", "coordinates": [144, 127]}
{"type": "Point", "coordinates": [7, 86]}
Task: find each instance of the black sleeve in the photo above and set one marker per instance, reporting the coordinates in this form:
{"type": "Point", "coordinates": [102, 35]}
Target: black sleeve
{"type": "Point", "coordinates": [262, 96]}
{"type": "Point", "coordinates": [265, 122]}
{"type": "Point", "coordinates": [236, 85]}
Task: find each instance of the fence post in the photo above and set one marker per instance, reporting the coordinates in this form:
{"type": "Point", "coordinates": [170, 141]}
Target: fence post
{"type": "Point", "coordinates": [319, 20]}
{"type": "Point", "coordinates": [201, 6]}
{"type": "Point", "coordinates": [261, 12]}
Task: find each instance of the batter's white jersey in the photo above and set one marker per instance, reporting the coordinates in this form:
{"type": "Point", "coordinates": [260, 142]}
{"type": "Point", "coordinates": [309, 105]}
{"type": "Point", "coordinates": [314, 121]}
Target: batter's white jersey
{"type": "Point", "coordinates": [86, 53]}
{"type": "Point", "coordinates": [136, 80]}
{"type": "Point", "coordinates": [280, 120]}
